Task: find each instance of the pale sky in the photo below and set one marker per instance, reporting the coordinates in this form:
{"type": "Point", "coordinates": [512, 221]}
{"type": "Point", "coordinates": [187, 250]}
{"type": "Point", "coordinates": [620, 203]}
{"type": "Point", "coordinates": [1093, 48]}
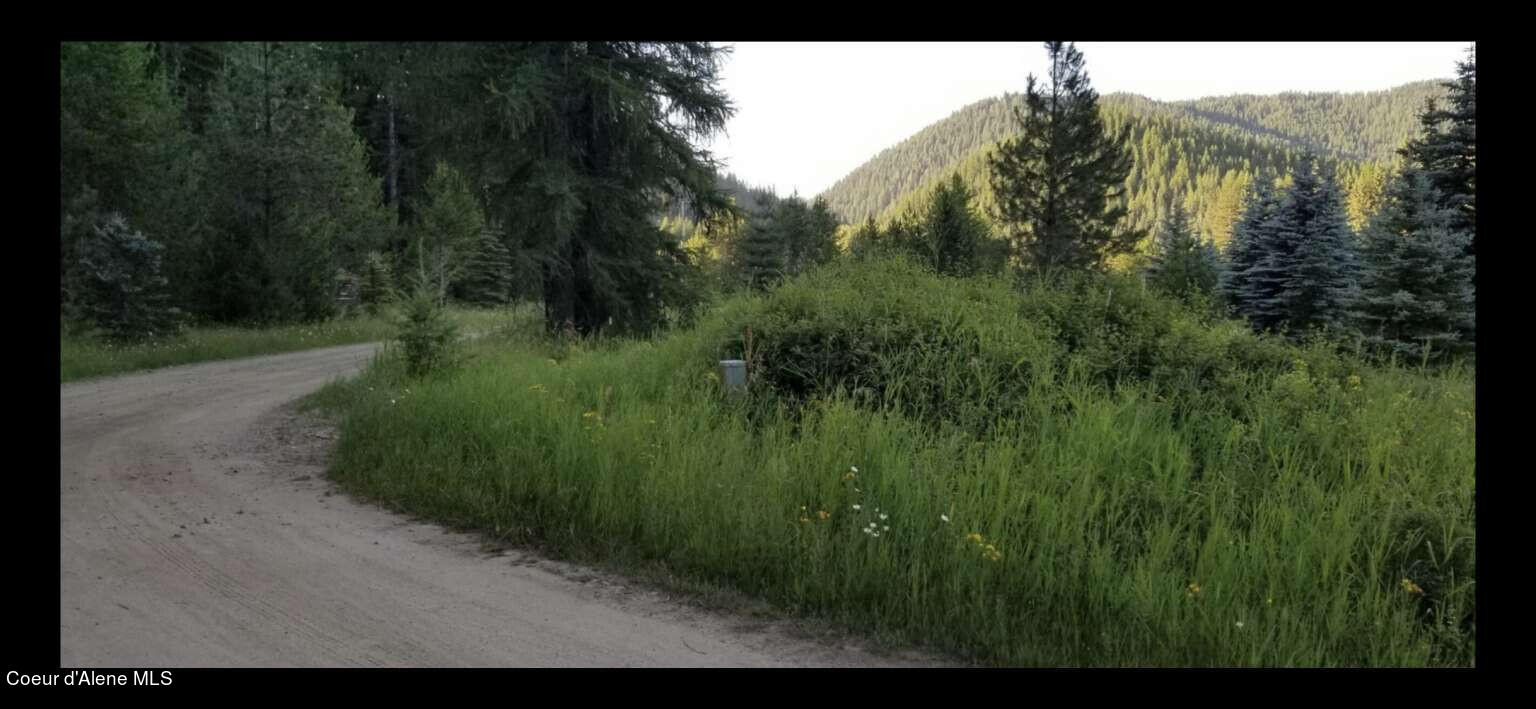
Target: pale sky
{"type": "Point", "coordinates": [808, 113]}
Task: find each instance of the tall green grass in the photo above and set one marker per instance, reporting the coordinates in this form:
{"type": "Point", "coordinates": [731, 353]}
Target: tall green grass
{"type": "Point", "coordinates": [1194, 508]}
{"type": "Point", "coordinates": [83, 355]}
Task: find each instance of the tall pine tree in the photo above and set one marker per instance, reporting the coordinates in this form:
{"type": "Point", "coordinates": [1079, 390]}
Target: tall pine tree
{"type": "Point", "coordinates": [292, 200]}
{"type": "Point", "coordinates": [1446, 149]}
{"type": "Point", "coordinates": [579, 145]}
{"type": "Point", "coordinates": [1059, 185]}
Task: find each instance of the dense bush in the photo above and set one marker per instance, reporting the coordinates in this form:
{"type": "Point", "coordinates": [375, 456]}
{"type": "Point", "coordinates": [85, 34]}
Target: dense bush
{"type": "Point", "coordinates": [887, 331]}
{"type": "Point", "coordinates": [966, 352]}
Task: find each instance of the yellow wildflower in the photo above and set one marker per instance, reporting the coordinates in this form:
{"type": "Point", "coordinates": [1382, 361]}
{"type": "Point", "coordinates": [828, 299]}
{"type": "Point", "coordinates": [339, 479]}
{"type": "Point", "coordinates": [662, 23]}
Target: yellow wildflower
{"type": "Point", "coordinates": [1193, 589]}
{"type": "Point", "coordinates": [1411, 587]}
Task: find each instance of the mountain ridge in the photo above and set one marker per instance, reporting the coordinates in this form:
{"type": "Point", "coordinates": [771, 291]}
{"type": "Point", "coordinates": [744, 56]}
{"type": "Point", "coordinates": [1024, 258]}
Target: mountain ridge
{"type": "Point", "coordinates": [1345, 127]}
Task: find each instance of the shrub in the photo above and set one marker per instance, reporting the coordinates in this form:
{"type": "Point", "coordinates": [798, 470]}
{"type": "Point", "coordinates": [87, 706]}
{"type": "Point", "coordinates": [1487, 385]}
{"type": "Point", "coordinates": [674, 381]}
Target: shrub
{"type": "Point", "coordinates": [968, 352]}
{"type": "Point", "coordinates": [887, 331]}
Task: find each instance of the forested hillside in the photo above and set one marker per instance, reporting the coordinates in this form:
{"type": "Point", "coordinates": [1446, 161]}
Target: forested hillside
{"type": "Point", "coordinates": [1360, 126]}
{"type": "Point", "coordinates": [1200, 153]}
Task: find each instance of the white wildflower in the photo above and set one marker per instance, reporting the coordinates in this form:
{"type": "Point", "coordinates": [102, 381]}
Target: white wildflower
{"type": "Point", "coordinates": [944, 519]}
{"type": "Point", "coordinates": [857, 507]}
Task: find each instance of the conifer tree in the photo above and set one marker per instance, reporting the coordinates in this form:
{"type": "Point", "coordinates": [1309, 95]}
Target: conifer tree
{"type": "Point", "coordinates": [1059, 185]}
{"type": "Point", "coordinates": [821, 237]}
{"type": "Point", "coordinates": [1416, 280]}
{"type": "Point", "coordinates": [761, 254]}
{"type": "Point", "coordinates": [1183, 264]}
{"type": "Point", "coordinates": [1251, 235]}
{"type": "Point", "coordinates": [791, 224]}
{"type": "Point", "coordinates": [449, 223]}
{"type": "Point", "coordinates": [953, 231]}
{"type": "Point", "coordinates": [120, 286]}
{"type": "Point", "coordinates": [1324, 270]}
{"type": "Point", "coordinates": [1295, 269]}
{"type": "Point", "coordinates": [1446, 149]}
{"type": "Point", "coordinates": [123, 147]}
{"type": "Point", "coordinates": [865, 240]}
{"type": "Point", "coordinates": [290, 197]}
{"type": "Point", "coordinates": [577, 145]}
{"type": "Point", "coordinates": [1367, 189]}
{"type": "Point", "coordinates": [377, 285]}
{"type": "Point", "coordinates": [488, 274]}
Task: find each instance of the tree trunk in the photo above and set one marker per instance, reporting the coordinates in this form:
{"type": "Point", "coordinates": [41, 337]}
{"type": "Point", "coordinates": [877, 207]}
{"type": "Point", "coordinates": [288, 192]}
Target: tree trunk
{"type": "Point", "coordinates": [392, 169]}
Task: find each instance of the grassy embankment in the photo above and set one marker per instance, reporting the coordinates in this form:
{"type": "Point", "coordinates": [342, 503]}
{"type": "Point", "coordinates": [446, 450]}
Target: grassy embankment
{"type": "Point", "coordinates": [1078, 476]}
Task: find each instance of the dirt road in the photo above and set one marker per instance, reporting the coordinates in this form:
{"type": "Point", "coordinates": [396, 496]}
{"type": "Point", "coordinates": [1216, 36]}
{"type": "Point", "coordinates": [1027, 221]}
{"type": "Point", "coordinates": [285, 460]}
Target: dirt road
{"type": "Point", "coordinates": [197, 529]}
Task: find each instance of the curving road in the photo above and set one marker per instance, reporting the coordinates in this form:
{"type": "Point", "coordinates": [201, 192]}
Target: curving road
{"type": "Point", "coordinates": [197, 529]}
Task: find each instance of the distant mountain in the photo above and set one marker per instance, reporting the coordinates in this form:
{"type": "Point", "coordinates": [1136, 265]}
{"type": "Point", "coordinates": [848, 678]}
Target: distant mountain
{"type": "Point", "coordinates": [1200, 152]}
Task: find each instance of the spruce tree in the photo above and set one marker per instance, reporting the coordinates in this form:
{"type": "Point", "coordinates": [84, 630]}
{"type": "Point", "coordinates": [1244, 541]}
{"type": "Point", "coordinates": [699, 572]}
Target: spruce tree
{"type": "Point", "coordinates": [1060, 183]}
{"type": "Point", "coordinates": [821, 236]}
{"type": "Point", "coordinates": [1323, 273]}
{"type": "Point", "coordinates": [1183, 265]}
{"type": "Point", "coordinates": [1446, 149]}
{"type": "Point", "coordinates": [1295, 269]}
{"type": "Point", "coordinates": [1251, 235]}
{"type": "Point", "coordinates": [377, 285]}
{"type": "Point", "coordinates": [953, 231]}
{"type": "Point", "coordinates": [865, 240]}
{"type": "Point", "coordinates": [120, 285]}
{"type": "Point", "coordinates": [488, 274]}
{"type": "Point", "coordinates": [1416, 280]}
{"type": "Point", "coordinates": [761, 253]}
